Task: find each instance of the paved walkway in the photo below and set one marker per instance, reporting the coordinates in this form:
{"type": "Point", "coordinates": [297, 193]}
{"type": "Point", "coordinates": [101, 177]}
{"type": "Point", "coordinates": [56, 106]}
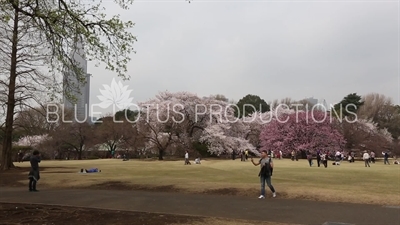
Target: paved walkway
{"type": "Point", "coordinates": [273, 210]}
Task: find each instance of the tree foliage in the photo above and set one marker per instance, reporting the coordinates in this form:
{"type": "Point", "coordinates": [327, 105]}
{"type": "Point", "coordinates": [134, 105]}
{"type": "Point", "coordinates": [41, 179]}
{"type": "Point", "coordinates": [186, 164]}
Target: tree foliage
{"type": "Point", "coordinates": [349, 106]}
{"type": "Point", "coordinates": [365, 134]}
{"type": "Point", "coordinates": [301, 131]}
{"type": "Point", "coordinates": [250, 104]}
{"type": "Point", "coordinates": [44, 33]}
{"type": "Point", "coordinates": [380, 110]}
{"type": "Point", "coordinates": [126, 114]}
{"type": "Point", "coordinates": [177, 120]}
{"type": "Point", "coordinates": [61, 23]}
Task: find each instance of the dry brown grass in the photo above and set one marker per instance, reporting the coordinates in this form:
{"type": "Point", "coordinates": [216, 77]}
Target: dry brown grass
{"type": "Point", "coordinates": [354, 183]}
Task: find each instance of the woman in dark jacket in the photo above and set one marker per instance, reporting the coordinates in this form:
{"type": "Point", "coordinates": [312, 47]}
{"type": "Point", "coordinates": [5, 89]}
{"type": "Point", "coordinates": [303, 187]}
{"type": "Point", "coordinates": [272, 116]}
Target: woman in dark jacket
{"type": "Point", "coordinates": [34, 175]}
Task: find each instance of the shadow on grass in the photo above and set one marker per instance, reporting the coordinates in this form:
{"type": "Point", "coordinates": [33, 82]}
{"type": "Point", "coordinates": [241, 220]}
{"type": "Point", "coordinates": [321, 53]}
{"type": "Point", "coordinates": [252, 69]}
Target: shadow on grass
{"type": "Point", "coordinates": [17, 176]}
{"type": "Point", "coordinates": [118, 185]}
{"type": "Point", "coordinates": [14, 176]}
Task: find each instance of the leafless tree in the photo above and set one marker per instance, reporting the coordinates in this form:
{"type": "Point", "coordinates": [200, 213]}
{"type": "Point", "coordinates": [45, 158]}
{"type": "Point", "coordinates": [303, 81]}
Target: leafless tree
{"type": "Point", "coordinates": [75, 137]}
{"type": "Point", "coordinates": [381, 110]}
{"type": "Point", "coordinates": [23, 56]}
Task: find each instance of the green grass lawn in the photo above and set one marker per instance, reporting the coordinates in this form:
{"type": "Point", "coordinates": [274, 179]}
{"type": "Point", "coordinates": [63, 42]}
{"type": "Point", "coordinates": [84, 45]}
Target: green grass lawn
{"type": "Point", "coordinates": [379, 184]}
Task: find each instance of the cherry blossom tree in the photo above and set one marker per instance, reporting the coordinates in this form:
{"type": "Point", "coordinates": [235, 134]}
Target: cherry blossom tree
{"type": "Point", "coordinates": [299, 131]}
{"type": "Point", "coordinates": [226, 138]}
{"type": "Point", "coordinates": [159, 122]}
{"type": "Point", "coordinates": [179, 119]}
{"type": "Point", "coordinates": [257, 120]}
{"type": "Point", "coordinates": [365, 134]}
{"type": "Point", "coordinates": [31, 141]}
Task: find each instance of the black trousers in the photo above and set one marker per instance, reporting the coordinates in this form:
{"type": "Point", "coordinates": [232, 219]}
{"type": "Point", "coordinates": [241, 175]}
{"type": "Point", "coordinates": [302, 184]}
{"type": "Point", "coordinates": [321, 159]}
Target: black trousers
{"type": "Point", "coordinates": [32, 184]}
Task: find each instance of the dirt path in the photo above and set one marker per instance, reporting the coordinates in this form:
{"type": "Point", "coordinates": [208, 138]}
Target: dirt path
{"type": "Point", "coordinates": [273, 210]}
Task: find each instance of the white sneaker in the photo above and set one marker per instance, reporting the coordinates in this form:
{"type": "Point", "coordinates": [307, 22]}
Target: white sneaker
{"type": "Point", "coordinates": [274, 194]}
{"type": "Point", "coordinates": [261, 197]}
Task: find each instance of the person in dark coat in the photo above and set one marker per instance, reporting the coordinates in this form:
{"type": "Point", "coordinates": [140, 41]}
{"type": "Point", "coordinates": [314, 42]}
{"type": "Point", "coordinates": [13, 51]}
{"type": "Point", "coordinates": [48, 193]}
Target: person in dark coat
{"type": "Point", "coordinates": [386, 158]}
{"type": "Point", "coordinates": [318, 158]}
{"type": "Point", "coordinates": [20, 156]}
{"type": "Point", "coordinates": [34, 175]}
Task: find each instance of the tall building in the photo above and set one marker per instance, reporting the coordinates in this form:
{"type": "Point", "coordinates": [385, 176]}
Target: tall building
{"type": "Point", "coordinates": [320, 103]}
{"type": "Point", "coordinates": [313, 101]}
{"type": "Point", "coordinates": [79, 90]}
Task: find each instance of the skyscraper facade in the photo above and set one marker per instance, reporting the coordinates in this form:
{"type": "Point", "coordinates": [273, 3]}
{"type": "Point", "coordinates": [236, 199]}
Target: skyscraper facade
{"type": "Point", "coordinates": [80, 91]}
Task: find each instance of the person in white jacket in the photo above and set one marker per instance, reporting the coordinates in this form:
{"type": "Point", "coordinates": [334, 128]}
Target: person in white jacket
{"type": "Point", "coordinates": [366, 158]}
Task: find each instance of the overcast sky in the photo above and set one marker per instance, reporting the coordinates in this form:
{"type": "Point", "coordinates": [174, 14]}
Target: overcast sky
{"type": "Point", "coordinates": [275, 50]}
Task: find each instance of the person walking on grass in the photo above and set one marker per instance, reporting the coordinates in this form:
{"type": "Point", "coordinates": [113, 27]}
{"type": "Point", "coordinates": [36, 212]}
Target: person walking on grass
{"type": "Point", "coordinates": [372, 157]}
{"type": "Point", "coordinates": [385, 158]}
{"type": "Point", "coordinates": [34, 175]}
{"type": "Point", "coordinates": [366, 158]}
{"type": "Point", "coordinates": [20, 157]}
{"type": "Point", "coordinates": [309, 158]}
{"type": "Point", "coordinates": [265, 174]}
{"type": "Point", "coordinates": [318, 158]}
{"type": "Point", "coordinates": [187, 162]}
{"type": "Point", "coordinates": [324, 159]}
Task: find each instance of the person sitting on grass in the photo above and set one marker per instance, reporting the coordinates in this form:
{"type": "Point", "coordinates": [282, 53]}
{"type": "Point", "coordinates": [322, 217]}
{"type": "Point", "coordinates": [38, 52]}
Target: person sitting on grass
{"type": "Point", "coordinates": [92, 170]}
{"type": "Point", "coordinates": [197, 160]}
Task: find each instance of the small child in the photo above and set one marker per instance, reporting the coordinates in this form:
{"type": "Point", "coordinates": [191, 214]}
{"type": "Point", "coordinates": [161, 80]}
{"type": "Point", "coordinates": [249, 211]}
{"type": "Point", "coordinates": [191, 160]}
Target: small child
{"type": "Point", "coordinates": [34, 175]}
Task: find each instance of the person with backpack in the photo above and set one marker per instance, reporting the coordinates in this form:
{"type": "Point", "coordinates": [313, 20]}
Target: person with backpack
{"type": "Point", "coordinates": [265, 174]}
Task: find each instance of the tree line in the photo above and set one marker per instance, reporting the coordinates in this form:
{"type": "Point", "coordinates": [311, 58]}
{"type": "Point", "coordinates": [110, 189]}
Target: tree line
{"type": "Point", "coordinates": [157, 129]}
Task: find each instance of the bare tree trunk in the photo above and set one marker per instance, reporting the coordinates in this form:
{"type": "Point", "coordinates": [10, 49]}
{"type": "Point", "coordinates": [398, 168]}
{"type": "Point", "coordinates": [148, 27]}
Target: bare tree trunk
{"type": "Point", "coordinates": [79, 155]}
{"type": "Point", "coordinates": [6, 161]}
{"type": "Point", "coordinates": [160, 154]}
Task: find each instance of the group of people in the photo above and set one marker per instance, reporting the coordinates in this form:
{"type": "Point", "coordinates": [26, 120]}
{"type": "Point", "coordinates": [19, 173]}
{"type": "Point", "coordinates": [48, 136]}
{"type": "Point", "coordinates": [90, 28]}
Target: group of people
{"type": "Point", "coordinates": [187, 161]}
{"type": "Point", "coordinates": [322, 158]}
{"type": "Point", "coordinates": [370, 158]}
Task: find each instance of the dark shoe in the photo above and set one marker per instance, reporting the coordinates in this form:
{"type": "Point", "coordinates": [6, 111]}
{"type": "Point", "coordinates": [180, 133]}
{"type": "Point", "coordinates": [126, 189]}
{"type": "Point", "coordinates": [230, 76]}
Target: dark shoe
{"type": "Point", "coordinates": [35, 190]}
{"type": "Point", "coordinates": [30, 190]}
